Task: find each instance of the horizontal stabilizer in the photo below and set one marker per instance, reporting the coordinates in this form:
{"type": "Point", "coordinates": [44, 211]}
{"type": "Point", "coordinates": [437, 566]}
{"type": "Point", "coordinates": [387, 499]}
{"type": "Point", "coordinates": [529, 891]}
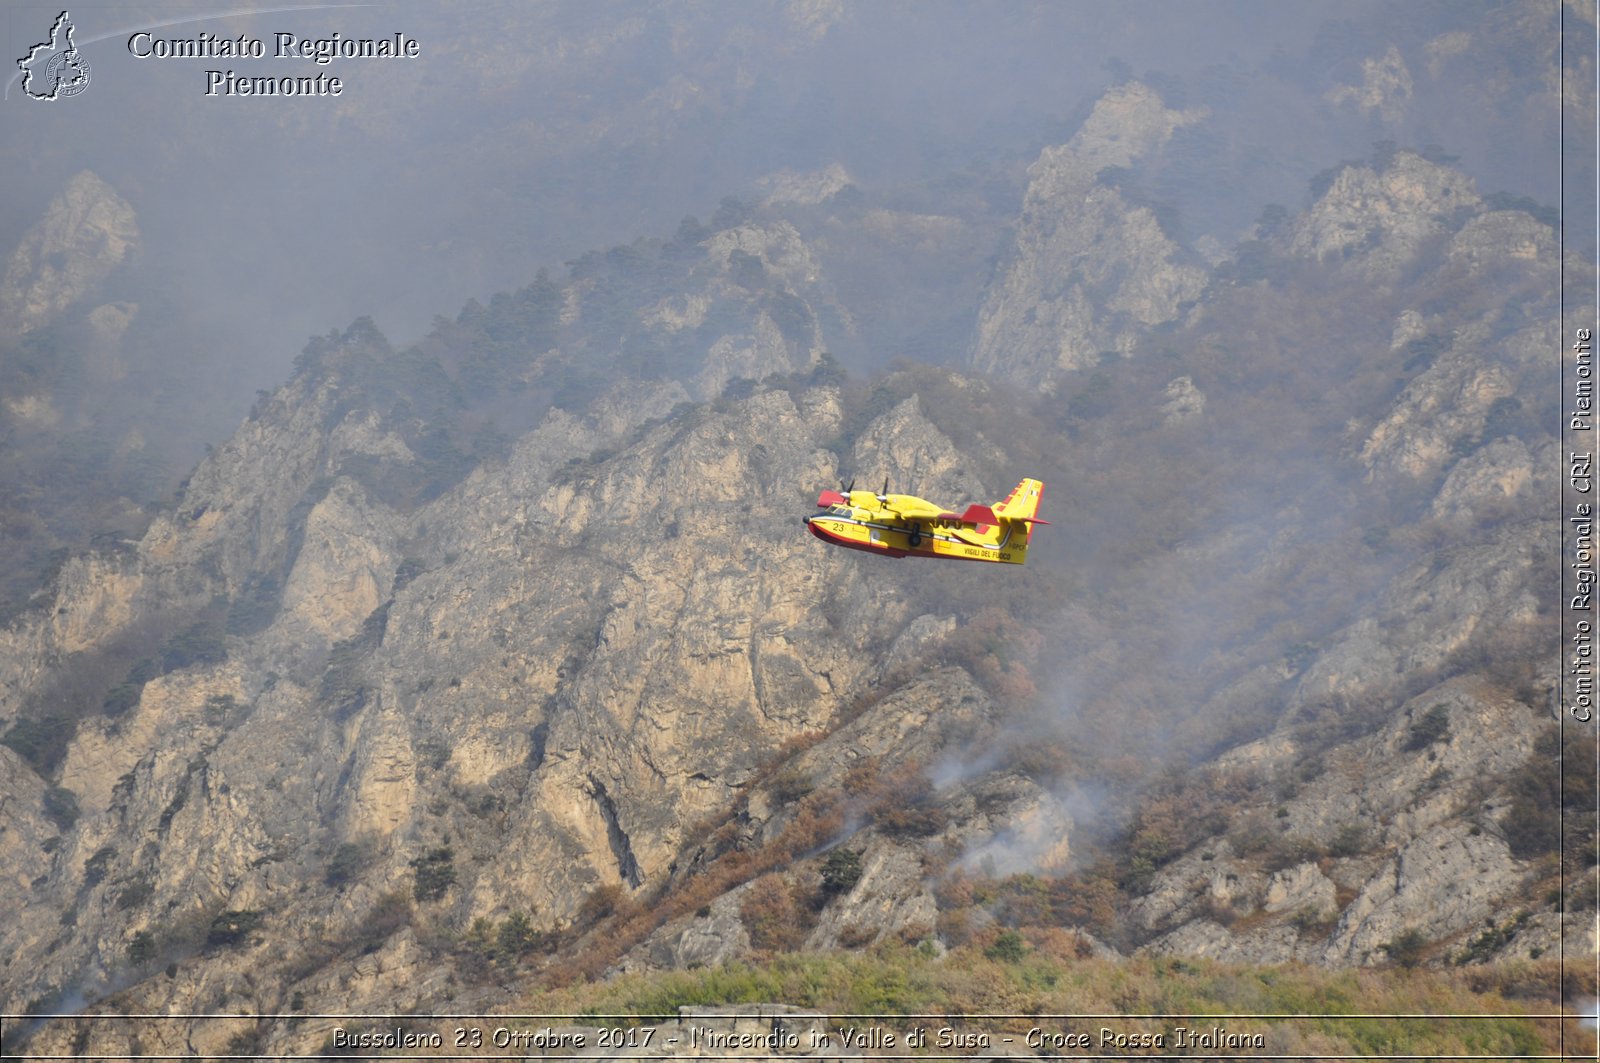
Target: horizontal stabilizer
{"type": "Point", "coordinates": [1022, 503]}
{"type": "Point", "coordinates": [977, 514]}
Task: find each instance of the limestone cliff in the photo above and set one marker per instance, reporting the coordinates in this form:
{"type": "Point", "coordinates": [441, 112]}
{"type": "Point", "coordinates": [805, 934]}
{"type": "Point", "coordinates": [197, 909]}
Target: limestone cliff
{"type": "Point", "coordinates": [502, 657]}
{"type": "Point", "coordinates": [534, 685]}
{"type": "Point", "coordinates": [86, 233]}
{"type": "Point", "coordinates": [1383, 219]}
{"type": "Point", "coordinates": [1089, 272]}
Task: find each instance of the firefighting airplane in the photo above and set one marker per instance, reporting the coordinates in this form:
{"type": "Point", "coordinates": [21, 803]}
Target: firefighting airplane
{"type": "Point", "coordinates": [906, 526]}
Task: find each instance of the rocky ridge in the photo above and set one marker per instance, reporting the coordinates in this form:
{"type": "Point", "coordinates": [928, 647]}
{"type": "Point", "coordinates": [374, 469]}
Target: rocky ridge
{"type": "Point", "coordinates": [361, 700]}
{"type": "Point", "coordinates": [86, 233]}
{"type": "Point", "coordinates": [1089, 272]}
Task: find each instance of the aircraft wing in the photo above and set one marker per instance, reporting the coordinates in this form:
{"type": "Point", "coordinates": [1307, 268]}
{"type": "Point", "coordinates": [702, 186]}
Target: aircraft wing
{"type": "Point", "coordinates": [907, 507]}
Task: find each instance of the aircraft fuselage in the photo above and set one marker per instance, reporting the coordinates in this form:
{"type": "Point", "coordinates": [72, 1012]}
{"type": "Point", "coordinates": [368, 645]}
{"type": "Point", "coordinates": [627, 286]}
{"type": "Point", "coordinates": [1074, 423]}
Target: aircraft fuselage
{"type": "Point", "coordinates": [856, 530]}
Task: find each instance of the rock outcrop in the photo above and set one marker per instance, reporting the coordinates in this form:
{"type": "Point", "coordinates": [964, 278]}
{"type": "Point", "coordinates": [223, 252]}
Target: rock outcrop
{"type": "Point", "coordinates": [1089, 273]}
{"type": "Point", "coordinates": [86, 233]}
{"type": "Point", "coordinates": [505, 650]}
{"type": "Point", "coordinates": [1383, 219]}
{"type": "Point", "coordinates": [529, 689]}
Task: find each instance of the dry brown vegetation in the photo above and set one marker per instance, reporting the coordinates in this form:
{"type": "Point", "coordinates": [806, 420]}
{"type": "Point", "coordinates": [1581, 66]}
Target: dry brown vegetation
{"type": "Point", "coordinates": [619, 923]}
{"type": "Point", "coordinates": [1047, 972]}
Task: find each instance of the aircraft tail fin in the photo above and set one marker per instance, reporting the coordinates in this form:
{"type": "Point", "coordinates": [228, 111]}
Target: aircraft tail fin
{"type": "Point", "coordinates": [1022, 503]}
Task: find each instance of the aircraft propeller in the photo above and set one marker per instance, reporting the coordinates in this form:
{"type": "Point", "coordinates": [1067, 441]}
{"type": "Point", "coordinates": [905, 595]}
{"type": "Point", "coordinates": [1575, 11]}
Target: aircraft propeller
{"type": "Point", "coordinates": [840, 498]}
{"type": "Point", "coordinates": [847, 489]}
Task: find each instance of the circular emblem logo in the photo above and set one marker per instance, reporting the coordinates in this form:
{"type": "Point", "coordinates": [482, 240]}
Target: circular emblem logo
{"type": "Point", "coordinates": [67, 73]}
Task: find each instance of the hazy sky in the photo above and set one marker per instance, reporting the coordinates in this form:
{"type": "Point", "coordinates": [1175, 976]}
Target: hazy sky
{"type": "Point", "coordinates": [522, 135]}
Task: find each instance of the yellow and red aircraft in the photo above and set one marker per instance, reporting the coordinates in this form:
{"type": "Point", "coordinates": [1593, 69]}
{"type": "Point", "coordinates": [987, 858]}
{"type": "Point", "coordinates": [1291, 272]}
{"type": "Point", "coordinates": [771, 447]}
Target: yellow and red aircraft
{"type": "Point", "coordinates": [906, 526]}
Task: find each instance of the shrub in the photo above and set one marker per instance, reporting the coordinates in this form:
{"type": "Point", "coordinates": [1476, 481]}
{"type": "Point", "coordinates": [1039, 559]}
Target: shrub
{"type": "Point", "coordinates": [1287, 850]}
{"type": "Point", "coordinates": [199, 643]}
{"type": "Point", "coordinates": [771, 915]}
{"type": "Point", "coordinates": [96, 867]}
{"type": "Point", "coordinates": [604, 902]}
{"type": "Point", "coordinates": [343, 865]}
{"type": "Point", "coordinates": [221, 708]}
{"type": "Point", "coordinates": [1090, 898]}
{"type": "Point", "coordinates": [901, 802]}
{"type": "Point", "coordinates": [1312, 921]}
{"type": "Point", "coordinates": [436, 873]}
{"type": "Point", "coordinates": [1432, 726]}
{"type": "Point", "coordinates": [433, 753]}
{"type": "Point", "coordinates": [1007, 948]}
{"type": "Point", "coordinates": [134, 894]}
{"type": "Point", "coordinates": [391, 912]}
{"type": "Point", "coordinates": [142, 948]}
{"type": "Point", "coordinates": [42, 742]}
{"type": "Point", "coordinates": [1493, 938]}
{"type": "Point", "coordinates": [256, 607]}
{"type": "Point", "coordinates": [232, 927]}
{"type": "Point", "coordinates": [518, 936]}
{"type": "Point", "coordinates": [790, 785]}
{"type": "Point", "coordinates": [121, 698]}
{"type": "Point", "coordinates": [61, 807]}
{"type": "Point", "coordinates": [1348, 840]}
{"type": "Point", "coordinates": [841, 871]}
{"type": "Point", "coordinates": [855, 937]}
{"type": "Point", "coordinates": [1530, 829]}
{"type": "Point", "coordinates": [1407, 949]}
{"type": "Point", "coordinates": [1532, 824]}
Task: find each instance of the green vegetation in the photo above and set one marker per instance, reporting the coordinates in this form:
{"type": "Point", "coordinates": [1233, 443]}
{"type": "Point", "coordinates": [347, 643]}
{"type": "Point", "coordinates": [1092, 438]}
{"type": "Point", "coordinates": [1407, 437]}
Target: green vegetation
{"type": "Point", "coordinates": [1008, 947]}
{"type": "Point", "coordinates": [1493, 938]}
{"type": "Point", "coordinates": [1432, 726]}
{"type": "Point", "coordinates": [435, 873]}
{"type": "Point", "coordinates": [222, 709]}
{"type": "Point", "coordinates": [42, 740]}
{"type": "Point", "coordinates": [518, 936]}
{"type": "Point", "coordinates": [65, 489]}
{"type": "Point", "coordinates": [509, 941]}
{"type": "Point", "coordinates": [199, 643]}
{"type": "Point", "coordinates": [841, 871]}
{"type": "Point", "coordinates": [253, 610]}
{"type": "Point", "coordinates": [121, 698]}
{"type": "Point", "coordinates": [345, 863]}
{"type": "Point", "coordinates": [389, 913]}
{"type": "Point", "coordinates": [1351, 839]}
{"type": "Point", "coordinates": [1557, 776]}
{"type": "Point", "coordinates": [180, 798]}
{"type": "Point", "coordinates": [1294, 358]}
{"type": "Point", "coordinates": [1545, 214]}
{"type": "Point", "coordinates": [232, 927]}
{"type": "Point", "coordinates": [344, 683]}
{"type": "Point", "coordinates": [98, 866]}
{"type": "Point", "coordinates": [89, 684]}
{"type": "Point", "coordinates": [141, 948]}
{"type": "Point", "coordinates": [1408, 948]}
{"type": "Point", "coordinates": [61, 807]}
{"type": "Point", "coordinates": [1044, 973]}
{"type": "Point", "coordinates": [134, 893]}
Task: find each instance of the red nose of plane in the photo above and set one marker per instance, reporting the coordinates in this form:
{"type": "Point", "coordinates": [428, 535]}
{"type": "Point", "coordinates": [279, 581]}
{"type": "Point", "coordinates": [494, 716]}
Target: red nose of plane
{"type": "Point", "coordinates": [830, 498]}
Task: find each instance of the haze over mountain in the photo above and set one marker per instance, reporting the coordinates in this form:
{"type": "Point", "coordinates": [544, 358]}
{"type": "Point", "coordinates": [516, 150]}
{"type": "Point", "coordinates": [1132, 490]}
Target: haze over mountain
{"type": "Point", "coordinates": [487, 655]}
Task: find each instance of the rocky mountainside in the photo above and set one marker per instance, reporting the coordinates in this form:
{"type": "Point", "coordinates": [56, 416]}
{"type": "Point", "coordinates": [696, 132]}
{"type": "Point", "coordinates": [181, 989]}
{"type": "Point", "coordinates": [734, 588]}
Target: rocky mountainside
{"type": "Point", "coordinates": [501, 659]}
{"type": "Point", "coordinates": [1090, 272]}
{"type": "Point", "coordinates": [80, 331]}
{"type": "Point", "coordinates": [88, 232]}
